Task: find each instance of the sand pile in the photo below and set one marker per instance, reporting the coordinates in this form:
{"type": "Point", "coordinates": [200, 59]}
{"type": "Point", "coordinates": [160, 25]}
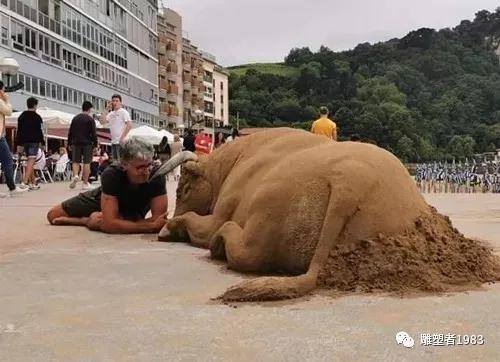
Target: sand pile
{"type": "Point", "coordinates": [433, 256]}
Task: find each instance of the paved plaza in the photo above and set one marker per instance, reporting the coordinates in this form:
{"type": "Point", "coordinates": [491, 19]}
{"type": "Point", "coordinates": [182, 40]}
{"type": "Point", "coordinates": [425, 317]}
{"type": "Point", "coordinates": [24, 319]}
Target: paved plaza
{"type": "Point", "coordinates": [70, 294]}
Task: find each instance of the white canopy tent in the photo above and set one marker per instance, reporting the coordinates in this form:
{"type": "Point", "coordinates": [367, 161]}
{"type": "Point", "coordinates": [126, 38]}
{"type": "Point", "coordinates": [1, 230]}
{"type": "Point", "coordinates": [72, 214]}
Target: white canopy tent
{"type": "Point", "coordinates": [146, 134]}
{"type": "Point", "coordinates": [52, 118]}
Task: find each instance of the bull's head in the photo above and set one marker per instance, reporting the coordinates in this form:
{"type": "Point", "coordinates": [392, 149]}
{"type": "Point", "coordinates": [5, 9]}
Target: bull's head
{"type": "Point", "coordinates": [194, 192]}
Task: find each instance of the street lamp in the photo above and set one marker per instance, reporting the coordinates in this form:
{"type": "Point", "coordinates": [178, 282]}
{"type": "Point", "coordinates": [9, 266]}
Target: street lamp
{"type": "Point", "coordinates": [9, 67]}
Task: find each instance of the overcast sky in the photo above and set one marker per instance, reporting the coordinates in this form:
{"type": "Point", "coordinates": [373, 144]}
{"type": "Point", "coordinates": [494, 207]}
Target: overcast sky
{"type": "Point", "coordinates": [248, 31]}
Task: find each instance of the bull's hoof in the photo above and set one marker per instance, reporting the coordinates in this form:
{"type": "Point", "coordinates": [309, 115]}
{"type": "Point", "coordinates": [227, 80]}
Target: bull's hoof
{"type": "Point", "coordinates": [169, 236]}
{"type": "Point", "coordinates": [268, 288]}
{"type": "Point", "coordinates": [218, 248]}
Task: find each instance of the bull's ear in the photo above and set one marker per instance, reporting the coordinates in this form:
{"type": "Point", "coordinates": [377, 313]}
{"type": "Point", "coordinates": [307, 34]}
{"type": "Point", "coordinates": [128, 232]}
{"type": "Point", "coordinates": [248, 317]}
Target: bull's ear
{"type": "Point", "coordinates": [194, 168]}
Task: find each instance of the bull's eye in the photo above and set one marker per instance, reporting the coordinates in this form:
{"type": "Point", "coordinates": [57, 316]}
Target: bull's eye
{"type": "Point", "coordinates": [186, 190]}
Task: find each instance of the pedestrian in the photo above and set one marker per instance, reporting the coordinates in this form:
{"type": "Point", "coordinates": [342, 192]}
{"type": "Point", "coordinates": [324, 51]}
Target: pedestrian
{"type": "Point", "coordinates": [235, 134]}
{"type": "Point", "coordinates": [202, 143]}
{"type": "Point", "coordinates": [5, 155]}
{"type": "Point", "coordinates": [120, 124]}
{"type": "Point", "coordinates": [30, 136]}
{"type": "Point", "coordinates": [324, 126]}
{"type": "Point", "coordinates": [219, 140]}
{"type": "Point", "coordinates": [189, 139]}
{"type": "Point", "coordinates": [82, 138]}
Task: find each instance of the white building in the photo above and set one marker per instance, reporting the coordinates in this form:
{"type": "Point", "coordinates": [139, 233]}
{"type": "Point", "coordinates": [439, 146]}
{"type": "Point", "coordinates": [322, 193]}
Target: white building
{"type": "Point", "coordinates": [75, 50]}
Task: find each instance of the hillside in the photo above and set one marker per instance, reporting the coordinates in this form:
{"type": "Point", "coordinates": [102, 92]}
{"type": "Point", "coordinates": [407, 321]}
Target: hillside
{"type": "Point", "coordinates": [269, 68]}
{"type": "Point", "coordinates": [431, 94]}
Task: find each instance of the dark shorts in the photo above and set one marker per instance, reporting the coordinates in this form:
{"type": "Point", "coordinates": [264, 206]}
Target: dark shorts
{"type": "Point", "coordinates": [31, 149]}
{"type": "Point", "coordinates": [82, 205]}
{"type": "Point", "coordinates": [82, 153]}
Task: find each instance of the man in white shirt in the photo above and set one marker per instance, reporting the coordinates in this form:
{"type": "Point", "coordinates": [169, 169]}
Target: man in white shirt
{"type": "Point", "coordinates": [119, 124]}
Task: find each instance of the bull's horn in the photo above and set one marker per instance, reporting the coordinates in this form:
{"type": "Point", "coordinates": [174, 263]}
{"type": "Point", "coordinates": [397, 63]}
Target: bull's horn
{"type": "Point", "coordinates": [175, 161]}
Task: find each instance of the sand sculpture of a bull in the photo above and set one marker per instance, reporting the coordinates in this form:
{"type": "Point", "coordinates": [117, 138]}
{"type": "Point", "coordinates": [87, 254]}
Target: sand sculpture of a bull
{"type": "Point", "coordinates": [277, 202]}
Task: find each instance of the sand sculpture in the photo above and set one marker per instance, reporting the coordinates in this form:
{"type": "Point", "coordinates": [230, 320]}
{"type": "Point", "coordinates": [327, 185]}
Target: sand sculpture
{"type": "Point", "coordinates": [312, 212]}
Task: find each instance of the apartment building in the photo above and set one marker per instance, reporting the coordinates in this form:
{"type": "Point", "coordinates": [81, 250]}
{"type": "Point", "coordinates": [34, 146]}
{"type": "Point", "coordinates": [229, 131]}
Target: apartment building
{"type": "Point", "coordinates": [75, 50]}
{"type": "Point", "coordinates": [194, 82]}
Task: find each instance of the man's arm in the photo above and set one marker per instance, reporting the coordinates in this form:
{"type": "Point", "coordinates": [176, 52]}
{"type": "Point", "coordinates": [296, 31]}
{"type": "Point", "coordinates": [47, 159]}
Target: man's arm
{"type": "Point", "coordinates": [5, 106]}
{"type": "Point", "coordinates": [128, 127]}
{"type": "Point", "coordinates": [93, 133]}
{"type": "Point", "coordinates": [113, 224]}
{"type": "Point", "coordinates": [104, 115]}
{"type": "Point", "coordinates": [70, 134]}
{"type": "Point", "coordinates": [41, 136]}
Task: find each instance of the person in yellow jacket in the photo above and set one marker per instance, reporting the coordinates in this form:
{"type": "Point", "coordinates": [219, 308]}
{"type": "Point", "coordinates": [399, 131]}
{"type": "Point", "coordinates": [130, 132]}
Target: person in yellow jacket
{"type": "Point", "coordinates": [324, 126]}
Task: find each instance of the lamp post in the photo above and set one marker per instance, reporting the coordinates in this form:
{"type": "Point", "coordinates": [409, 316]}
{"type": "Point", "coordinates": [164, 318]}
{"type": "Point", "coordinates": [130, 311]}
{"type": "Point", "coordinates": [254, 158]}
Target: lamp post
{"type": "Point", "coordinates": [9, 67]}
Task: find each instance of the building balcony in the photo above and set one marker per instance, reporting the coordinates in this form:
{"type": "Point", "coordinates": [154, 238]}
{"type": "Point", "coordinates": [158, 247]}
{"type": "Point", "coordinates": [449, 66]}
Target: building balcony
{"type": "Point", "coordinates": [194, 89]}
{"type": "Point", "coordinates": [164, 107]}
{"type": "Point", "coordinates": [187, 85]}
{"type": "Point", "coordinates": [162, 61]}
{"type": "Point", "coordinates": [172, 68]}
{"type": "Point", "coordinates": [187, 104]}
{"type": "Point", "coordinates": [172, 111]}
{"type": "Point", "coordinates": [173, 89]}
{"type": "Point", "coordinates": [172, 54]}
{"type": "Point", "coordinates": [162, 49]}
{"type": "Point", "coordinates": [162, 70]}
{"type": "Point", "coordinates": [163, 39]}
{"type": "Point", "coordinates": [172, 97]}
{"type": "Point", "coordinates": [186, 65]}
{"type": "Point", "coordinates": [163, 84]}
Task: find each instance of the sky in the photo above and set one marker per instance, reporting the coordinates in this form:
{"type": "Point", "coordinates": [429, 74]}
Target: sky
{"type": "Point", "coordinates": [249, 31]}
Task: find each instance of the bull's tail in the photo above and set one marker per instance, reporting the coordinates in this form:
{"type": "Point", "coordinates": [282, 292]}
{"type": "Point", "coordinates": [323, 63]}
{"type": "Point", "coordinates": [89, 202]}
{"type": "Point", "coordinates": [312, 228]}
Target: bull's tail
{"type": "Point", "coordinates": [274, 288]}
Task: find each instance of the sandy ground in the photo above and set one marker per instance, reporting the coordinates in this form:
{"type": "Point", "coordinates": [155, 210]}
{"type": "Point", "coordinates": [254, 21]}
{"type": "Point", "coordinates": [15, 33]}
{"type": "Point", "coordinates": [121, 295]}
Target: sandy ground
{"type": "Point", "coordinates": [74, 295]}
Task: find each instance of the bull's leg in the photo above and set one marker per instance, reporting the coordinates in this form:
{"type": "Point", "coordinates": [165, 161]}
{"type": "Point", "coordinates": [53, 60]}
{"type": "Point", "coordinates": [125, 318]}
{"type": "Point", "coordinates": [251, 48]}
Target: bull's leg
{"type": "Point", "coordinates": [241, 257]}
{"type": "Point", "coordinates": [190, 227]}
{"type": "Point", "coordinates": [230, 232]}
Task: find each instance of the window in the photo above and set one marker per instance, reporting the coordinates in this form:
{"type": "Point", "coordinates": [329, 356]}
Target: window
{"type": "Point", "coordinates": [34, 86]}
{"type": "Point", "coordinates": [53, 91]}
{"type": "Point", "coordinates": [17, 35]}
{"type": "Point", "coordinates": [5, 32]}
{"type": "Point", "coordinates": [30, 40]}
{"type": "Point", "coordinates": [65, 95]}
{"type": "Point", "coordinates": [221, 86]}
{"type": "Point", "coordinates": [42, 88]}
{"type": "Point", "coordinates": [27, 84]}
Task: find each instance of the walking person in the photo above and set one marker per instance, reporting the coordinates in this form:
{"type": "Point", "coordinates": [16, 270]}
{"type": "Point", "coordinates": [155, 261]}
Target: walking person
{"type": "Point", "coordinates": [189, 139]}
{"type": "Point", "coordinates": [120, 124]}
{"type": "Point", "coordinates": [30, 136]}
{"type": "Point", "coordinates": [82, 138]}
{"type": "Point", "coordinates": [324, 126]}
{"type": "Point", "coordinates": [5, 155]}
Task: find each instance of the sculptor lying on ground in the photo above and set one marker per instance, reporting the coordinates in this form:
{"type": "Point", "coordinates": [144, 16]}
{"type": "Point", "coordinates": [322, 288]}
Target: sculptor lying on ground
{"type": "Point", "coordinates": [311, 212]}
{"type": "Point", "coordinates": [127, 194]}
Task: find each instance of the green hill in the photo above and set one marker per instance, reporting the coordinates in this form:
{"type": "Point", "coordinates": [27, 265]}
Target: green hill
{"type": "Point", "coordinates": [268, 68]}
{"type": "Point", "coordinates": [431, 94]}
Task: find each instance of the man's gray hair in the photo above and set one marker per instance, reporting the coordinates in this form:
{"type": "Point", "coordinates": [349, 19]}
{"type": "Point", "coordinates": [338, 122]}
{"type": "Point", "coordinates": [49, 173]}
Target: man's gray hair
{"type": "Point", "coordinates": [136, 149]}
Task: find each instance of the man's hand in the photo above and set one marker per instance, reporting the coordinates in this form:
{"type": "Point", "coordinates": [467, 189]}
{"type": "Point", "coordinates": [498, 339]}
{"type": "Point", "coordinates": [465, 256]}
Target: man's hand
{"type": "Point", "coordinates": [4, 96]}
{"type": "Point", "coordinates": [158, 224]}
